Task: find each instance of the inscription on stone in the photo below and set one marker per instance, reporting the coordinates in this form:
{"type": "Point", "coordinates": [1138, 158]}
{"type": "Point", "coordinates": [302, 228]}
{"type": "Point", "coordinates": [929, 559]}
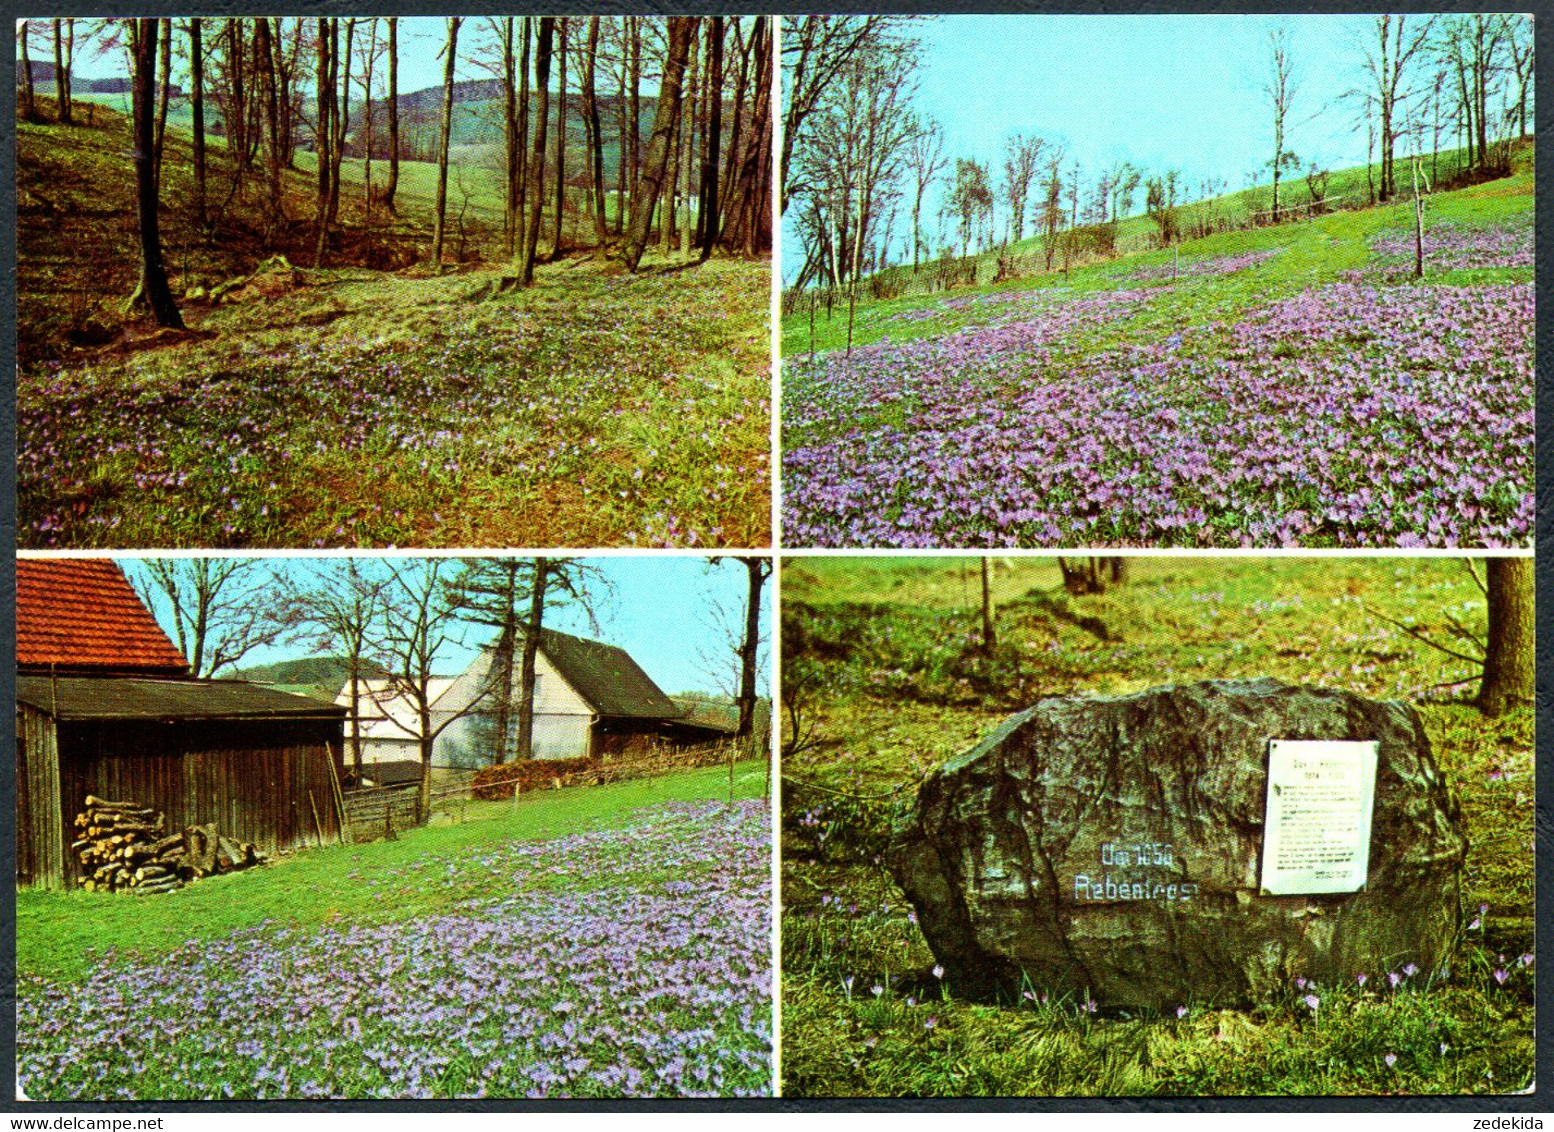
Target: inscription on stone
{"type": "Point", "coordinates": [1317, 822]}
{"type": "Point", "coordinates": [1147, 876]}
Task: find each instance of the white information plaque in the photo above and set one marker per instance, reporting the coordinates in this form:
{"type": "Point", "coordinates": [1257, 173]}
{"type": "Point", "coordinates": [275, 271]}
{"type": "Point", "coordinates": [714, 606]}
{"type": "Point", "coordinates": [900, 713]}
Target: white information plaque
{"type": "Point", "coordinates": [1317, 825]}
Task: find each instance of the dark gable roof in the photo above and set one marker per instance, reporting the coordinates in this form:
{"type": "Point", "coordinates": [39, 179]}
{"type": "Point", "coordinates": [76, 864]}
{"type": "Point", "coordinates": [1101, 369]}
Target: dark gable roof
{"type": "Point", "coordinates": [121, 697]}
{"type": "Point", "coordinates": [82, 615]}
{"type": "Point", "coordinates": [399, 772]}
{"type": "Point", "coordinates": [607, 677]}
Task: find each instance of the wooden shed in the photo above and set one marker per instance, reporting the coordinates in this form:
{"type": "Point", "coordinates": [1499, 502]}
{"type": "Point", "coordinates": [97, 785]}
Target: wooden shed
{"type": "Point", "coordinates": [104, 706]}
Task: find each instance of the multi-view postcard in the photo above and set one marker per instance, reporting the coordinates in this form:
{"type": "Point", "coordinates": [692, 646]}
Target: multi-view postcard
{"type": "Point", "coordinates": [365, 282]}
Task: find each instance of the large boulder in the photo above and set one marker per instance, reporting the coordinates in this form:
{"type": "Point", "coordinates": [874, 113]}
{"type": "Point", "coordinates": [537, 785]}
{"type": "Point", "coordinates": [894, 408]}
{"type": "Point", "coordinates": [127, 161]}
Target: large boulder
{"type": "Point", "coordinates": [1112, 847]}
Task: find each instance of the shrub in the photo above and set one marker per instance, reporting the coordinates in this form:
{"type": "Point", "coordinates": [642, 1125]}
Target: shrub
{"type": "Point", "coordinates": [496, 783]}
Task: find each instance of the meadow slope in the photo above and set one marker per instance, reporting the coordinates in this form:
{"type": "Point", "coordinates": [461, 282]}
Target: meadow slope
{"type": "Point", "coordinates": [625, 951]}
{"type": "Point", "coordinates": [368, 403]}
{"type": "Point", "coordinates": [1288, 386]}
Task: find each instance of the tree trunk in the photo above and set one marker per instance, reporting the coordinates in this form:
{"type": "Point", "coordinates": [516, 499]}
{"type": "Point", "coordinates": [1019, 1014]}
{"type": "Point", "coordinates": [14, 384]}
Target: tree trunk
{"type": "Point", "coordinates": [440, 219]}
{"type": "Point", "coordinates": [561, 134]}
{"type": "Point", "coordinates": [988, 640]}
{"type": "Point", "coordinates": [153, 287]}
{"type": "Point", "coordinates": [688, 143]}
{"type": "Point", "coordinates": [372, 51]}
{"type": "Point", "coordinates": [510, 137]}
{"type": "Point", "coordinates": [650, 180]}
{"type": "Point", "coordinates": [536, 170]}
{"type": "Point", "coordinates": [707, 215]}
{"type": "Point", "coordinates": [393, 113]}
{"type": "Point", "coordinates": [521, 168]}
{"type": "Point", "coordinates": [634, 49]}
{"type": "Point", "coordinates": [29, 100]}
{"type": "Point", "coordinates": [595, 133]}
{"type": "Point", "coordinates": [323, 138]}
{"type": "Point", "coordinates": [1509, 665]}
{"type": "Point", "coordinates": [356, 716]}
{"type": "Point", "coordinates": [757, 570]}
{"type": "Point", "coordinates": [532, 629]}
{"type": "Point", "coordinates": [197, 108]}
{"type": "Point", "coordinates": [61, 76]}
{"type": "Point", "coordinates": [342, 121]}
{"type": "Point", "coordinates": [162, 96]}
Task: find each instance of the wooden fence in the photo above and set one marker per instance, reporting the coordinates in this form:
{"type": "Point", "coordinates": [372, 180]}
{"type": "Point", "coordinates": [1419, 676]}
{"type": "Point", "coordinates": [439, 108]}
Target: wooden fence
{"type": "Point", "coordinates": [380, 812]}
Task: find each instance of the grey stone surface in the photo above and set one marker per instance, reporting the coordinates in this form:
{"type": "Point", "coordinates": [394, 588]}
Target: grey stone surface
{"type": "Point", "coordinates": [1113, 847]}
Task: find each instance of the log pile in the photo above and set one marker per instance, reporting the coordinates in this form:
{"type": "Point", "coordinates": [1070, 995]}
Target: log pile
{"type": "Point", "coordinates": [122, 845]}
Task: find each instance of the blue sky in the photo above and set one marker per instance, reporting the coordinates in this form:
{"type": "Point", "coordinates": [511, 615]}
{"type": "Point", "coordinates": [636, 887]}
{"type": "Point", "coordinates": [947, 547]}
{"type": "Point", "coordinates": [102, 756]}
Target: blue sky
{"type": "Point", "coordinates": [1160, 91]}
{"type": "Point", "coordinates": [661, 612]}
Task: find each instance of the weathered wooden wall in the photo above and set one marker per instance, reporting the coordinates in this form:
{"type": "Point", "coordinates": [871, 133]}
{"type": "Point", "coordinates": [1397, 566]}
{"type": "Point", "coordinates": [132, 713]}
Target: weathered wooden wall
{"type": "Point", "coordinates": [40, 841]}
{"type": "Point", "coordinates": [257, 781]}
{"type": "Point", "coordinates": [370, 813]}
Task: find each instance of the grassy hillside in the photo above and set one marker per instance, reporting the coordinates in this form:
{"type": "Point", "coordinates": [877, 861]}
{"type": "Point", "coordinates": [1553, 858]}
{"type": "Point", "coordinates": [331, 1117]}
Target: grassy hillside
{"type": "Point", "coordinates": [627, 927]}
{"type": "Point", "coordinates": [884, 655]}
{"type": "Point", "coordinates": [1249, 388]}
{"type": "Point", "coordinates": [1137, 234]}
{"type": "Point", "coordinates": [369, 402]}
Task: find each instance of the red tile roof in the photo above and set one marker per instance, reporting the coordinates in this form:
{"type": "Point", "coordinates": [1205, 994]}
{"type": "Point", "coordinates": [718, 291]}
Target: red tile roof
{"type": "Point", "coordinates": [82, 615]}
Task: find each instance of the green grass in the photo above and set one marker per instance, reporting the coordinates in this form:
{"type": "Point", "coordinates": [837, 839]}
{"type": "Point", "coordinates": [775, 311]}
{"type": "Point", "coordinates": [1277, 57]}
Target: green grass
{"type": "Point", "coordinates": [63, 936]}
{"type": "Point", "coordinates": [887, 652]}
{"type": "Point", "coordinates": [1310, 253]}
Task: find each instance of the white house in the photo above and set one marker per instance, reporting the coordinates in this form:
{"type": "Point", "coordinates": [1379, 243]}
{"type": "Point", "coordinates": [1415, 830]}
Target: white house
{"type": "Point", "coordinates": [589, 698]}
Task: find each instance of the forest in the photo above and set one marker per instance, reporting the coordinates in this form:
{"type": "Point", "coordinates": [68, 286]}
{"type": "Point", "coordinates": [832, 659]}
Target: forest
{"type": "Point", "coordinates": [1045, 341]}
{"type": "Point", "coordinates": [355, 261]}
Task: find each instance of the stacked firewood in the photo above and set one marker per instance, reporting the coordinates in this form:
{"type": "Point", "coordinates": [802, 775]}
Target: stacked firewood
{"type": "Point", "coordinates": [122, 845]}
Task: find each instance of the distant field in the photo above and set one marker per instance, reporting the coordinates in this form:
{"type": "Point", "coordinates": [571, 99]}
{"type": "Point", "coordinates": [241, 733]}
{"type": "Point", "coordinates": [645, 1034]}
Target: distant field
{"type": "Point", "coordinates": [1289, 385]}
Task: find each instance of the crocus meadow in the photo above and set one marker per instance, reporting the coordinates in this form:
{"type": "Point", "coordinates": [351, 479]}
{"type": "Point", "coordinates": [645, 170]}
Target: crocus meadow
{"type": "Point", "coordinates": [614, 413]}
{"type": "Point", "coordinates": [634, 962]}
{"type": "Point", "coordinates": [1346, 415]}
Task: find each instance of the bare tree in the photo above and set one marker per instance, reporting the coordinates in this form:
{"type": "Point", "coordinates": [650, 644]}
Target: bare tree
{"type": "Point", "coordinates": [971, 200]}
{"type": "Point", "coordinates": [218, 610]}
{"type": "Point", "coordinates": [29, 97]}
{"type": "Point", "coordinates": [1022, 161]}
{"type": "Point", "coordinates": [1279, 88]}
{"type": "Point", "coordinates": [595, 134]}
{"type": "Point", "coordinates": [61, 74]}
{"type": "Point", "coordinates": [926, 160]}
{"type": "Point", "coordinates": [650, 179]}
{"type": "Point", "coordinates": [551, 581]}
{"type": "Point", "coordinates": [197, 109]}
{"type": "Point", "coordinates": [1386, 62]}
{"type": "Point", "coordinates": [536, 168]}
{"type": "Point", "coordinates": [419, 623]}
{"type": "Point", "coordinates": [815, 50]}
{"type": "Point", "coordinates": [446, 137]}
{"type": "Point", "coordinates": [757, 570]}
{"type": "Point", "coordinates": [393, 113]}
{"type": "Point", "coordinates": [561, 136]}
{"type": "Point", "coordinates": [337, 611]}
